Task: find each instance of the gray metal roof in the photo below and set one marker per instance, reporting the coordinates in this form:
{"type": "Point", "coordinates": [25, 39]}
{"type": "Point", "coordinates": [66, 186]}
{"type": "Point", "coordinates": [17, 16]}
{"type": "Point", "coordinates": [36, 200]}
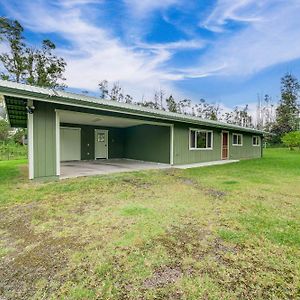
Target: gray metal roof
{"type": "Point", "coordinates": [18, 90]}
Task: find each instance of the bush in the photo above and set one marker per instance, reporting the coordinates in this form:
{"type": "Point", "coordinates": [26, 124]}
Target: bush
{"type": "Point", "coordinates": [12, 150]}
{"type": "Point", "coordinates": [291, 139]}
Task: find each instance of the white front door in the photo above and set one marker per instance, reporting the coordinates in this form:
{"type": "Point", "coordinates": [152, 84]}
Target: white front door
{"type": "Point", "coordinates": [70, 145]}
{"type": "Point", "coordinates": [101, 143]}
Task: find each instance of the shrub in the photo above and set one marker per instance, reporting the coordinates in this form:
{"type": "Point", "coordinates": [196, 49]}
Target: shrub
{"type": "Point", "coordinates": [291, 139]}
{"type": "Point", "coordinates": [12, 150]}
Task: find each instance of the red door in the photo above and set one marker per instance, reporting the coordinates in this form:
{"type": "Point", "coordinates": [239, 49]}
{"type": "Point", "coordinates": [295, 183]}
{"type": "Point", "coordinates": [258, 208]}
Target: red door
{"type": "Point", "coordinates": [224, 145]}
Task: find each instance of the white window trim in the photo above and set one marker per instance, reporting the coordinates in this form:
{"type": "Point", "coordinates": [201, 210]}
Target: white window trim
{"type": "Point", "coordinates": [201, 130]}
{"type": "Point", "coordinates": [242, 138]}
{"type": "Point", "coordinates": [258, 138]}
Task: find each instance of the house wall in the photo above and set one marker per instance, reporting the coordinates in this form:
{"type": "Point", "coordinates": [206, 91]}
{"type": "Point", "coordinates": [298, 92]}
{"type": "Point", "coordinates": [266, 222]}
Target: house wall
{"type": "Point", "coordinates": [246, 151]}
{"type": "Point", "coordinates": [116, 138]}
{"type": "Point", "coordinates": [182, 154]}
{"type": "Point", "coordinates": [44, 140]}
{"type": "Point", "coordinates": [148, 143]}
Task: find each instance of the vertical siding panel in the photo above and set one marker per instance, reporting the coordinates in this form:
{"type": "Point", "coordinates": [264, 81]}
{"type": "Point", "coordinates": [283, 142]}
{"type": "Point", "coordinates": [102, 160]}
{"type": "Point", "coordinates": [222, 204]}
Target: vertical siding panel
{"type": "Point", "coordinates": [148, 143]}
{"type": "Point", "coordinates": [44, 140]}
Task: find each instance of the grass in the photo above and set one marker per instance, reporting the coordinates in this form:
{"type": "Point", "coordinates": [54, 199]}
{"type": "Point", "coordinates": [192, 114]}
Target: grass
{"type": "Point", "coordinates": [223, 232]}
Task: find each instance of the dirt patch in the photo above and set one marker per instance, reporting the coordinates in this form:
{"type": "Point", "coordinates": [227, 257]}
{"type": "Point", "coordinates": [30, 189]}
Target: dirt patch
{"type": "Point", "coordinates": [163, 276]}
{"type": "Point", "coordinates": [217, 194]}
{"type": "Point", "coordinates": [34, 256]}
{"type": "Point", "coordinates": [137, 183]}
{"type": "Point", "coordinates": [192, 240]}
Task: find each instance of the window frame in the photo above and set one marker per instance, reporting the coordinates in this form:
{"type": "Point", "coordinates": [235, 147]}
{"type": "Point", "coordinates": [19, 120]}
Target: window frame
{"type": "Point", "coordinates": [201, 130]}
{"type": "Point", "coordinates": [242, 140]}
{"type": "Point", "coordinates": [258, 139]}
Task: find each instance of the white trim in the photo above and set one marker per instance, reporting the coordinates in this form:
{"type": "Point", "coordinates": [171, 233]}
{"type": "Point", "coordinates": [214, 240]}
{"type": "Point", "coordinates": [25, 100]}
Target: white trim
{"type": "Point", "coordinates": [70, 127]}
{"type": "Point", "coordinates": [242, 139]}
{"type": "Point", "coordinates": [106, 131]}
{"type": "Point", "coordinates": [228, 144]}
{"type": "Point", "coordinates": [30, 142]}
{"type": "Point", "coordinates": [172, 144]}
{"type": "Point", "coordinates": [258, 138]}
{"type": "Point", "coordinates": [201, 130]}
{"type": "Point", "coordinates": [57, 137]}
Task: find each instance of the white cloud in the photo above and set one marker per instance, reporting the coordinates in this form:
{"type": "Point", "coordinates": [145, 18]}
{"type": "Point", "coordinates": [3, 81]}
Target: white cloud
{"type": "Point", "coordinates": [237, 10]}
{"type": "Point", "coordinates": [95, 55]}
{"type": "Point", "coordinates": [271, 37]}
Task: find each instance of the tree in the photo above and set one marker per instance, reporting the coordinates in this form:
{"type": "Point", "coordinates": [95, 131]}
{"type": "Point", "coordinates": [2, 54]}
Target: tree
{"type": "Point", "coordinates": [239, 116]}
{"type": "Point", "coordinates": [128, 99]}
{"type": "Point", "coordinates": [4, 131]}
{"type": "Point", "coordinates": [287, 112]}
{"type": "Point", "coordinates": [185, 106]}
{"type": "Point", "coordinates": [172, 105]}
{"type": "Point", "coordinates": [116, 92]}
{"type": "Point", "coordinates": [44, 68]}
{"type": "Point", "coordinates": [103, 86]}
{"type": "Point", "coordinates": [291, 139]}
{"type": "Point", "coordinates": [15, 61]}
{"type": "Point", "coordinates": [29, 65]}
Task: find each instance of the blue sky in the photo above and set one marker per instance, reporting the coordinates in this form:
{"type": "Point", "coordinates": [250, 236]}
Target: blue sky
{"type": "Point", "coordinates": [225, 51]}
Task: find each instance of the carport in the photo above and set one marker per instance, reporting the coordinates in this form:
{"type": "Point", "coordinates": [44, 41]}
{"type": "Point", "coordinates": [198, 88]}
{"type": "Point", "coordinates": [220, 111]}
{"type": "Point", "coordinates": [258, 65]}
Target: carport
{"type": "Point", "coordinates": [91, 144]}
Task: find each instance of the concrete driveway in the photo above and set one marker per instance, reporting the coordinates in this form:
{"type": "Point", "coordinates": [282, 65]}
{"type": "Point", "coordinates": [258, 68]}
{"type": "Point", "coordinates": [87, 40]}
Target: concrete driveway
{"type": "Point", "coordinates": [74, 169]}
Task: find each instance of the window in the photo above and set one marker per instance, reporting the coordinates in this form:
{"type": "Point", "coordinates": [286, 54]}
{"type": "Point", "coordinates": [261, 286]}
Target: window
{"type": "Point", "coordinates": [255, 141]}
{"type": "Point", "coordinates": [237, 139]}
{"type": "Point", "coordinates": [201, 139]}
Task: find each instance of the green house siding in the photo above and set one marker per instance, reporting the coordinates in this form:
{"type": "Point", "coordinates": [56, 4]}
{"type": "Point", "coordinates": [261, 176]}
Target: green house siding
{"type": "Point", "coordinates": [182, 154]}
{"type": "Point", "coordinates": [148, 143]}
{"type": "Point", "coordinates": [246, 151]}
{"type": "Point", "coordinates": [44, 140]}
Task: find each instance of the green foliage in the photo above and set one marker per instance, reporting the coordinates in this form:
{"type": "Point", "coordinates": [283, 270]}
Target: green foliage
{"type": "Point", "coordinates": [291, 139]}
{"type": "Point", "coordinates": [171, 104]}
{"type": "Point", "coordinates": [287, 112]}
{"type": "Point", "coordinates": [12, 150]}
{"type": "Point", "coordinates": [4, 130]}
{"type": "Point", "coordinates": [26, 64]}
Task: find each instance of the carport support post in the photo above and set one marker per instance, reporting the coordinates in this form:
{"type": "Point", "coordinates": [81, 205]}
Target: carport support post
{"type": "Point", "coordinates": [57, 142]}
{"type": "Point", "coordinates": [172, 144]}
{"type": "Point", "coordinates": [30, 141]}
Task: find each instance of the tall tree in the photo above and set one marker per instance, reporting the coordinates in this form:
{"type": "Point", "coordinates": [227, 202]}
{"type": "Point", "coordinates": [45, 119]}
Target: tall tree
{"type": "Point", "coordinates": [171, 104]}
{"type": "Point", "coordinates": [239, 116]}
{"type": "Point", "coordinates": [116, 93]}
{"type": "Point", "coordinates": [103, 87]}
{"type": "Point", "coordinates": [15, 61]}
{"type": "Point", "coordinates": [35, 66]}
{"type": "Point", "coordinates": [287, 112]}
{"type": "Point", "coordinates": [44, 68]}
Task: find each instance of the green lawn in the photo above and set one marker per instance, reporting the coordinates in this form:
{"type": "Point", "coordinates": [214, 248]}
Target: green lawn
{"type": "Point", "coordinates": [222, 232]}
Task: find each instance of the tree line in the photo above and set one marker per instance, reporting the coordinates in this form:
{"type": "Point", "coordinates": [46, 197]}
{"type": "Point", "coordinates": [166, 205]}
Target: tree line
{"type": "Point", "coordinates": [40, 66]}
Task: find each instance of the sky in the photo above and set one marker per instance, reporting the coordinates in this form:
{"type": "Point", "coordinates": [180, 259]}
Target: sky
{"type": "Point", "coordinates": [225, 51]}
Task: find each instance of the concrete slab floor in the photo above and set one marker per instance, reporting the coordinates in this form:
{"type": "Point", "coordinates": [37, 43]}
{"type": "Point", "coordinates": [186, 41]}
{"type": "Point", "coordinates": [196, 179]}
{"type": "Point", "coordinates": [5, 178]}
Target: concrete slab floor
{"type": "Point", "coordinates": [72, 169]}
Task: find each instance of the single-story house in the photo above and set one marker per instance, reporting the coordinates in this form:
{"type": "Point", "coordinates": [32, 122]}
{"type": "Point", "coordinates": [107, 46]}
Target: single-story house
{"type": "Point", "coordinates": [64, 126]}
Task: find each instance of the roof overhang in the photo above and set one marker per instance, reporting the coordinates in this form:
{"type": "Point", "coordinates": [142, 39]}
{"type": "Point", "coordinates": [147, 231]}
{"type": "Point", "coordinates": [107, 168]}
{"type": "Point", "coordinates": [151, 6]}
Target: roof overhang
{"type": "Point", "coordinates": [16, 95]}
